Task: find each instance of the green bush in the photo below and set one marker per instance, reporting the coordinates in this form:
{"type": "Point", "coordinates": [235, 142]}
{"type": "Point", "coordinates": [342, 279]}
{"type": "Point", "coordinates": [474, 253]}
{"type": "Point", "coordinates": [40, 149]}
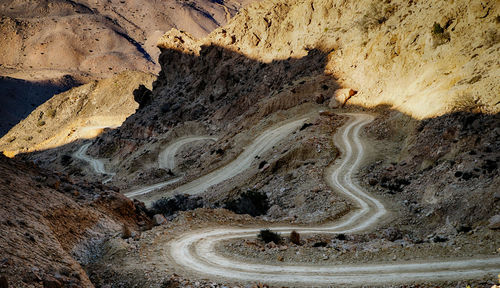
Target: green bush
{"type": "Point", "coordinates": [267, 236]}
{"type": "Point", "coordinates": [51, 112]}
{"type": "Point", "coordinates": [437, 29]}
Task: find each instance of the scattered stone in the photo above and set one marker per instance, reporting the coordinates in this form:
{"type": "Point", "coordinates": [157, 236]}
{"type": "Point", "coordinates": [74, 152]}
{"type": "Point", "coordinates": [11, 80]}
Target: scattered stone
{"type": "Point", "coordinates": [159, 219]}
{"type": "Point", "coordinates": [494, 222]}
{"type": "Point", "coordinates": [341, 97]}
{"type": "Point", "coordinates": [497, 196]}
{"type": "Point", "coordinates": [372, 181]}
{"type": "Point", "coordinates": [126, 233]}
{"type": "Point", "coordinates": [319, 99]}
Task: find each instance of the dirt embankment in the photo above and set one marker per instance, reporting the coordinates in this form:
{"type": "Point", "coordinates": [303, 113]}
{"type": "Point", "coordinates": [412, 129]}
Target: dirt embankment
{"type": "Point", "coordinates": [443, 171]}
{"type": "Point", "coordinates": [52, 222]}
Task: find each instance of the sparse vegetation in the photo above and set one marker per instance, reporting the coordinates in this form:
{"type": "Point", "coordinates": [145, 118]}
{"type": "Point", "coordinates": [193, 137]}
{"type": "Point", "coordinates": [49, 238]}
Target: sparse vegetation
{"type": "Point", "coordinates": [251, 202]}
{"type": "Point", "coordinates": [439, 35]}
{"type": "Point", "coordinates": [377, 14]}
{"type": "Point", "coordinates": [437, 29]}
{"type": "Point", "coordinates": [467, 103]}
{"type": "Point", "coordinates": [267, 236]}
{"type": "Point", "coordinates": [66, 160]}
{"type": "Point", "coordinates": [40, 123]}
{"type": "Point", "coordinates": [126, 233]}
{"type": "Point", "coordinates": [295, 237]}
{"type": "Point", "coordinates": [51, 112]}
{"type": "Point", "coordinates": [169, 206]}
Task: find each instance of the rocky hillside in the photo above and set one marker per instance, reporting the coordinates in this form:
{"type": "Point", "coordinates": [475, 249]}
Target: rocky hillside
{"type": "Point", "coordinates": [433, 149]}
{"type": "Point", "coordinates": [277, 54]}
{"type": "Point", "coordinates": [46, 42]}
{"type": "Point", "coordinates": [19, 97]}
{"type": "Point", "coordinates": [51, 221]}
{"type": "Point", "coordinates": [81, 112]}
{"type": "Point", "coordinates": [98, 38]}
{"type": "Point", "coordinates": [424, 58]}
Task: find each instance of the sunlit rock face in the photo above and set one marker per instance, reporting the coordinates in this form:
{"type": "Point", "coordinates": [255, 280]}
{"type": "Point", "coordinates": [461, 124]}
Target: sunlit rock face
{"type": "Point", "coordinates": [424, 58]}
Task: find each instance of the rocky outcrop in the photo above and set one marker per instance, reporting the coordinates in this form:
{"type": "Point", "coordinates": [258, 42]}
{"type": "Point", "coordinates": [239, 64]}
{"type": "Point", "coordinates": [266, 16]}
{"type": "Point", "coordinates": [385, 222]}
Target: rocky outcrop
{"type": "Point", "coordinates": [424, 58]}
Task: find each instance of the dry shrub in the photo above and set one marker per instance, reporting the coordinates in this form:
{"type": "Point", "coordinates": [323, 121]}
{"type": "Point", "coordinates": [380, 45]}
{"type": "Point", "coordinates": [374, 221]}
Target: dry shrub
{"type": "Point", "coordinates": [126, 233]}
{"type": "Point", "coordinates": [295, 237]}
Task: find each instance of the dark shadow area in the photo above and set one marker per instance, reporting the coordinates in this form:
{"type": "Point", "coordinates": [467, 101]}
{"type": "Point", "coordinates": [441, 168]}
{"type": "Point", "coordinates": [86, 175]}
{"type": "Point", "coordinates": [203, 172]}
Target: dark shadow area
{"type": "Point", "coordinates": [18, 98]}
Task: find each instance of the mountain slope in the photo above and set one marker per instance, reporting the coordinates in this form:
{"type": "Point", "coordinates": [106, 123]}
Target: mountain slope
{"type": "Point", "coordinates": [45, 41]}
{"type": "Point", "coordinates": [424, 58]}
{"type": "Point", "coordinates": [50, 221]}
{"type": "Point", "coordinates": [82, 112]}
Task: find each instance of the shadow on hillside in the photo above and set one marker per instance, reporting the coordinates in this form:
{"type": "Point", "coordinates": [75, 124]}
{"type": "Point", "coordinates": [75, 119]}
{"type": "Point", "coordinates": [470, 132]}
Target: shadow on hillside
{"type": "Point", "coordinates": [226, 89]}
{"type": "Point", "coordinates": [18, 97]}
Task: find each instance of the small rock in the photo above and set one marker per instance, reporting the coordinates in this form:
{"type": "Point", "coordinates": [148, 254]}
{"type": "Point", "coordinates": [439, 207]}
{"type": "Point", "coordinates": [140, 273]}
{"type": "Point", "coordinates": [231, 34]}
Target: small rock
{"type": "Point", "coordinates": [497, 195]}
{"type": "Point", "coordinates": [494, 222]}
{"type": "Point", "coordinates": [372, 181]}
{"type": "Point", "coordinates": [341, 97]}
{"type": "Point", "coordinates": [319, 99]}
{"type": "Point", "coordinates": [159, 219]}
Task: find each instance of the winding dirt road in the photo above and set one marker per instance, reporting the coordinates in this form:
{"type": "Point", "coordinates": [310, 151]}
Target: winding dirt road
{"type": "Point", "coordinates": [195, 253]}
{"type": "Point", "coordinates": [166, 159]}
{"type": "Point", "coordinates": [244, 161]}
{"type": "Point", "coordinates": [96, 164]}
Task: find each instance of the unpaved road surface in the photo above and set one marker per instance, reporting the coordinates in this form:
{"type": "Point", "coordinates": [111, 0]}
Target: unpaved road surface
{"type": "Point", "coordinates": [166, 159]}
{"type": "Point", "coordinates": [96, 164]}
{"type": "Point", "coordinates": [244, 161]}
{"type": "Point", "coordinates": [194, 253]}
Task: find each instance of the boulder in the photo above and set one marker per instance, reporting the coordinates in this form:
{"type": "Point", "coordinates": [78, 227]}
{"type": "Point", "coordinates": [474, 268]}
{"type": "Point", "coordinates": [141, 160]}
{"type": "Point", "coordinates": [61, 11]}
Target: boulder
{"type": "Point", "coordinates": [494, 222]}
{"type": "Point", "coordinates": [143, 96]}
{"type": "Point", "coordinates": [159, 219]}
{"type": "Point", "coordinates": [341, 97]}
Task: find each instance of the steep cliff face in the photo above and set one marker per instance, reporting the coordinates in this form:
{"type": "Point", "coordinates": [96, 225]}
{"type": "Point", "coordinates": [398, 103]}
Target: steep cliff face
{"type": "Point", "coordinates": [424, 58]}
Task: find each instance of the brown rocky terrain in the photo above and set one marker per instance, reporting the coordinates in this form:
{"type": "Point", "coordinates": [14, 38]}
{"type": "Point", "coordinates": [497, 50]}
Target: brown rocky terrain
{"type": "Point", "coordinates": [433, 149]}
{"type": "Point", "coordinates": [81, 112]}
{"type": "Point", "coordinates": [51, 223]}
{"type": "Point", "coordinates": [48, 41]}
